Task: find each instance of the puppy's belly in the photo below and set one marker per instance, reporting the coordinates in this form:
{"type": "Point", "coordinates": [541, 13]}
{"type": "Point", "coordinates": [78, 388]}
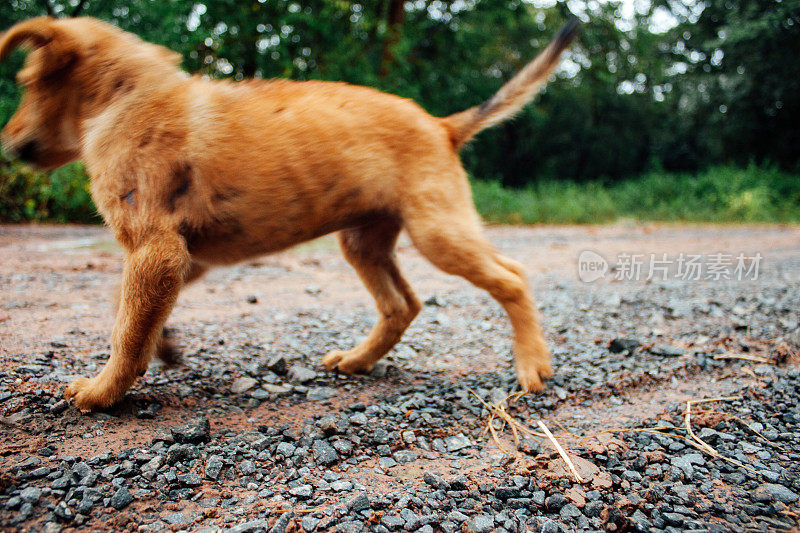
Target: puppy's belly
{"type": "Point", "coordinates": [229, 242]}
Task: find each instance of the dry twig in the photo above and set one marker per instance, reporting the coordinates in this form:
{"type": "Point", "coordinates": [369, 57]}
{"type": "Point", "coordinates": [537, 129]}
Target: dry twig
{"type": "Point", "coordinates": [561, 451]}
{"type": "Point", "coordinates": [701, 444]}
{"type": "Point", "coordinates": [743, 357]}
{"type": "Point", "coordinates": [298, 511]}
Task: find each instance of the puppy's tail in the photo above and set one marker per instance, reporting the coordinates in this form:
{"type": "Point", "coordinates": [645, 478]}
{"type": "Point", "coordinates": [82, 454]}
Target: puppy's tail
{"type": "Point", "coordinates": [513, 95]}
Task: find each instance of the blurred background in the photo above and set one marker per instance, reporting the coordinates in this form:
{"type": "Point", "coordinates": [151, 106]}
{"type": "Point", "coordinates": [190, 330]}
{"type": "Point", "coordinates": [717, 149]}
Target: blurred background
{"type": "Point", "coordinates": [674, 110]}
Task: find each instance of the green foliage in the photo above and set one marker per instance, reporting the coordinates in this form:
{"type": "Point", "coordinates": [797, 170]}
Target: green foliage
{"type": "Point", "coordinates": [719, 87]}
{"type": "Point", "coordinates": [59, 196]}
{"type": "Point", "coordinates": [719, 194]}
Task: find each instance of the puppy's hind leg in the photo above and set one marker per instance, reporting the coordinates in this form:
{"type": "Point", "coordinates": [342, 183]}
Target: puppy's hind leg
{"type": "Point", "coordinates": [370, 249]}
{"type": "Point", "coordinates": [450, 237]}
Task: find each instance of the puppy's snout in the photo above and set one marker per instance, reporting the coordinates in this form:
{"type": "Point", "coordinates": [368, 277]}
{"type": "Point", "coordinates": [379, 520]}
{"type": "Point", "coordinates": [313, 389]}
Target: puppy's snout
{"type": "Point", "coordinates": [28, 151]}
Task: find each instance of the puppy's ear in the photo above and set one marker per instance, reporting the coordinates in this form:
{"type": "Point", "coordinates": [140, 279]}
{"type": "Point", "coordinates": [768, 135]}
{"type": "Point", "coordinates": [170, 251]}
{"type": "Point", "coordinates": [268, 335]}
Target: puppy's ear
{"type": "Point", "coordinates": [34, 33]}
{"type": "Point", "coordinates": [41, 33]}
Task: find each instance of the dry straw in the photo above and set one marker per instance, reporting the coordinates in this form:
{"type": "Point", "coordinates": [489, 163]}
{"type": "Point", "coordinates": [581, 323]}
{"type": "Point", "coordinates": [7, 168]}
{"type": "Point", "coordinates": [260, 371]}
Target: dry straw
{"type": "Point", "coordinates": [498, 411]}
{"type": "Point", "coordinates": [743, 357]}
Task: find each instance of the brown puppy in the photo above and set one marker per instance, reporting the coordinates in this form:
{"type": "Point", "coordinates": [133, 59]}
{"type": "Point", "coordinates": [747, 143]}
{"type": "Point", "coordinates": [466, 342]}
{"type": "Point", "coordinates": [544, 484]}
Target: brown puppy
{"type": "Point", "coordinates": [191, 173]}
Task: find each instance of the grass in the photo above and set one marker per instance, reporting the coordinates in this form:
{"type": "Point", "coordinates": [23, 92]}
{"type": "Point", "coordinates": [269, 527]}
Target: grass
{"type": "Point", "coordinates": [720, 194]}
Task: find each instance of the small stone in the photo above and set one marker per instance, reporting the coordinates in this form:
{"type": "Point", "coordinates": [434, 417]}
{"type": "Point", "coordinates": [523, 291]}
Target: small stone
{"type": "Point", "coordinates": [459, 482]}
{"type": "Point", "coordinates": [329, 425]}
{"type": "Point", "coordinates": [434, 480]}
{"type": "Point", "coordinates": [177, 453]}
{"type": "Point", "coordinates": [666, 350]}
{"type": "Point", "coordinates": [622, 344]}
{"type": "Point", "coordinates": [309, 523]}
{"type": "Point", "coordinates": [570, 510]}
{"type": "Point", "coordinates": [190, 480]}
{"type": "Point", "coordinates": [412, 521]}
{"type": "Point", "coordinates": [176, 519]}
{"type": "Point", "coordinates": [303, 491]}
{"type": "Point", "coordinates": [121, 499]}
{"type": "Point", "coordinates": [282, 524]}
{"type": "Point", "coordinates": [358, 419]}
{"type": "Point", "coordinates": [194, 431]}
{"type": "Point", "coordinates": [457, 516]}
{"type": "Point", "coordinates": [247, 468]}
{"type": "Point", "coordinates": [480, 524]}
{"type": "Point", "coordinates": [59, 407]}
{"type": "Point", "coordinates": [457, 442]}
{"type": "Point", "coordinates": [313, 290]}
{"type": "Point", "coordinates": [550, 526]}
{"type": "Point", "coordinates": [277, 364]}
{"type": "Point", "coordinates": [149, 411]}
{"type": "Point", "coordinates": [386, 462]}
{"type": "Point", "coordinates": [392, 522]}
{"type": "Point", "coordinates": [243, 384]}
{"type": "Point", "coordinates": [31, 494]}
{"type": "Point", "coordinates": [555, 502]}
{"type": "Point", "coordinates": [320, 393]}
{"type": "Point", "coordinates": [359, 502]}
{"type": "Point", "coordinates": [505, 493]}
{"type": "Point", "coordinates": [252, 299]}
{"type": "Point", "coordinates": [769, 492]}
{"type": "Point", "coordinates": [286, 449]}
{"type": "Point", "coordinates": [301, 374]}
{"type": "Point", "coordinates": [380, 369]}
{"type": "Point", "coordinates": [593, 508]}
{"type": "Point", "coordinates": [259, 524]}
{"type": "Point", "coordinates": [404, 456]}
{"type": "Point", "coordinates": [260, 394]}
{"type": "Point", "coordinates": [380, 436]}
{"type": "Point", "coordinates": [674, 519]}
{"type": "Point", "coordinates": [341, 485]}
{"type": "Point", "coordinates": [344, 447]}
{"type": "Point", "coordinates": [324, 452]}
{"type": "Point", "coordinates": [213, 466]}
{"type": "Point", "coordinates": [632, 475]}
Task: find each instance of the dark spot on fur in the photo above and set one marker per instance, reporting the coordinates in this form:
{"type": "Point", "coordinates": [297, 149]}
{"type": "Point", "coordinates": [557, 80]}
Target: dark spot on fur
{"type": "Point", "coordinates": [280, 109]}
{"type": "Point", "coordinates": [226, 193]}
{"type": "Point", "coordinates": [146, 138]}
{"type": "Point", "coordinates": [209, 234]}
{"type": "Point", "coordinates": [170, 139]}
{"type": "Point", "coordinates": [128, 197]}
{"type": "Point", "coordinates": [182, 180]}
{"type": "Point", "coordinates": [346, 198]}
{"type": "Point", "coordinates": [123, 85]}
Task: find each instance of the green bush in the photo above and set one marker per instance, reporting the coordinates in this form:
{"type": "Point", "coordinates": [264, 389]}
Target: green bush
{"type": "Point", "coordinates": [59, 196]}
{"type": "Point", "coordinates": [720, 194]}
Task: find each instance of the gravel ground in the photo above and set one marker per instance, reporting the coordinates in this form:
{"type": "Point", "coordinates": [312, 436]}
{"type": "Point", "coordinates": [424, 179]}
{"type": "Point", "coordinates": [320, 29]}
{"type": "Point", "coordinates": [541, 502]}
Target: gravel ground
{"type": "Point", "coordinates": [250, 433]}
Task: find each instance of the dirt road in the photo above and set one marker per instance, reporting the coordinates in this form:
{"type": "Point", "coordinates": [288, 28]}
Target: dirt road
{"type": "Point", "coordinates": [275, 442]}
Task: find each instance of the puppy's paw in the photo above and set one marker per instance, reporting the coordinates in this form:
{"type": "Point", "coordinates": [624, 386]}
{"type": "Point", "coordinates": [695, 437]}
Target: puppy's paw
{"type": "Point", "coordinates": [89, 395]}
{"type": "Point", "coordinates": [531, 374]}
{"type": "Point", "coordinates": [347, 362]}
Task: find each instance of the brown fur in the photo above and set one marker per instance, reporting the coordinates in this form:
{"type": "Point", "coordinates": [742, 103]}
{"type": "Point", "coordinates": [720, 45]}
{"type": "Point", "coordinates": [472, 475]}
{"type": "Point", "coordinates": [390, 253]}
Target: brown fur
{"type": "Point", "coordinates": [191, 174]}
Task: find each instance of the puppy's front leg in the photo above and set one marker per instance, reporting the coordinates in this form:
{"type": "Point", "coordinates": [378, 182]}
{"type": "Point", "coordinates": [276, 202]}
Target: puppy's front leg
{"type": "Point", "coordinates": [151, 280]}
